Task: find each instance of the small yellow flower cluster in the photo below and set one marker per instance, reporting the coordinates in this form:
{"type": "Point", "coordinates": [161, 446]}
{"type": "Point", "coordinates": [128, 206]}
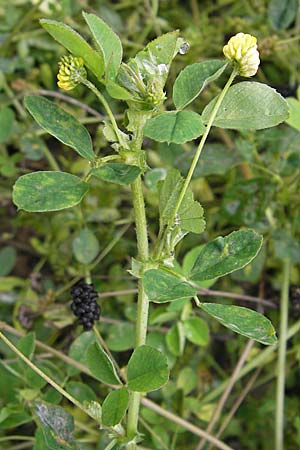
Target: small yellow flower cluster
{"type": "Point", "coordinates": [242, 51]}
{"type": "Point", "coordinates": [71, 72]}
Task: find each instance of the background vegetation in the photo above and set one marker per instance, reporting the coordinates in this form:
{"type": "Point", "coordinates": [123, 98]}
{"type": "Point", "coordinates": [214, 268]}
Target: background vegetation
{"type": "Point", "coordinates": [250, 179]}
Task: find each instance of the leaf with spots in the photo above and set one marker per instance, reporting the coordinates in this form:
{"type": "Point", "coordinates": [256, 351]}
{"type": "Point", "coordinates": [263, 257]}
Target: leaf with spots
{"type": "Point", "coordinates": [248, 106]}
{"type": "Point", "coordinates": [48, 191]}
{"type": "Point", "coordinates": [175, 127]}
{"type": "Point", "coordinates": [107, 41]}
{"type": "Point", "coordinates": [243, 321]}
{"type": "Point", "coordinates": [61, 125]}
{"type": "Point", "coordinates": [193, 79]}
{"type": "Point", "coordinates": [58, 425]}
{"type": "Point", "coordinates": [225, 255]}
{"type": "Point", "coordinates": [75, 43]}
{"type": "Point", "coordinates": [162, 287]}
{"type": "Point", "coordinates": [118, 173]}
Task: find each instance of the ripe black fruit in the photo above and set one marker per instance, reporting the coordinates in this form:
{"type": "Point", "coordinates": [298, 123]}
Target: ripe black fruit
{"type": "Point", "coordinates": [84, 304]}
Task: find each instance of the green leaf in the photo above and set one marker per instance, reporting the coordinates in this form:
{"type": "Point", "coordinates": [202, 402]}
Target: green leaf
{"type": "Point", "coordinates": [155, 59]}
{"type": "Point", "coordinates": [81, 391]}
{"type": "Point", "coordinates": [121, 337]}
{"type": "Point", "coordinates": [26, 345]}
{"type": "Point", "coordinates": [294, 118]}
{"type": "Point", "coordinates": [282, 13]}
{"type": "Point", "coordinates": [162, 287]}
{"type": "Point", "coordinates": [33, 147]}
{"type": "Point", "coordinates": [175, 126]}
{"type": "Point", "coordinates": [189, 261]}
{"type": "Point", "coordinates": [147, 369]}
{"type": "Point", "coordinates": [85, 246]}
{"type": "Point", "coordinates": [216, 159]}
{"type": "Point", "coordinates": [60, 124]}
{"type": "Point", "coordinates": [153, 176]}
{"type": "Point", "coordinates": [243, 321]}
{"type": "Point", "coordinates": [107, 41]}
{"type": "Point", "coordinates": [101, 365]}
{"type": "Point", "coordinates": [193, 79]}
{"type": "Point", "coordinates": [245, 202]}
{"type": "Point", "coordinates": [46, 439]}
{"type": "Point", "coordinates": [146, 74]}
{"type": "Point", "coordinates": [118, 173]}
{"type": "Point", "coordinates": [57, 419]}
{"type": "Point", "coordinates": [73, 42]}
{"type": "Point", "coordinates": [196, 331]}
{"type": "Point", "coordinates": [94, 409]}
{"type": "Point", "coordinates": [8, 256]}
{"type": "Point", "coordinates": [286, 246]}
{"type": "Point", "coordinates": [175, 339]}
{"type": "Point", "coordinates": [117, 91]}
{"type": "Point", "coordinates": [190, 214]}
{"type": "Point", "coordinates": [48, 191]}
{"type": "Point", "coordinates": [248, 106]}
{"type": "Point", "coordinates": [114, 407]}
{"type": "Point", "coordinates": [12, 416]}
{"type": "Point", "coordinates": [225, 255]}
{"type": "Point", "coordinates": [7, 118]}
{"type": "Point", "coordinates": [10, 283]}
{"type": "Point", "coordinates": [187, 380]}
{"type": "Point", "coordinates": [79, 348]}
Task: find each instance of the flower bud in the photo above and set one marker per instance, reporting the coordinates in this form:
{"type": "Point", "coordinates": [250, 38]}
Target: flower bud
{"type": "Point", "coordinates": [242, 51]}
{"type": "Point", "coordinates": [71, 72]}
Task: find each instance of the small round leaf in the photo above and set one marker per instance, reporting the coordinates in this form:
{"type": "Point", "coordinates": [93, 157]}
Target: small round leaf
{"type": "Point", "coordinates": [147, 369]}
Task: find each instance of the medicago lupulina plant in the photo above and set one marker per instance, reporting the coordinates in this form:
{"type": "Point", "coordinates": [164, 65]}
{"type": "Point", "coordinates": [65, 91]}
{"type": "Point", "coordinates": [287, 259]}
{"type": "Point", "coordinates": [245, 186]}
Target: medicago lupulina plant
{"type": "Point", "coordinates": [140, 83]}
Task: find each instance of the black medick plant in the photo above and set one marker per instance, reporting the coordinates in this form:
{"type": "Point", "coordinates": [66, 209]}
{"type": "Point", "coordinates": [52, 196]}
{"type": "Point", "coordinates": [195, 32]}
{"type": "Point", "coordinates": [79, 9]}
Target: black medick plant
{"type": "Point", "coordinates": [140, 83]}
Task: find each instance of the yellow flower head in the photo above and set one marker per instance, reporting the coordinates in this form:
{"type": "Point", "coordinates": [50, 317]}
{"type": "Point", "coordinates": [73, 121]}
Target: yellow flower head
{"type": "Point", "coordinates": [71, 72]}
{"type": "Point", "coordinates": [242, 51]}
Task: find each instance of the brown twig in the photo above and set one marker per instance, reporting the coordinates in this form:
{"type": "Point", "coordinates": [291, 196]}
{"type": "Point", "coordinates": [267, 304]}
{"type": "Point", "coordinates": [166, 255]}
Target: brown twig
{"type": "Point", "coordinates": [68, 99]}
{"type": "Point", "coordinates": [203, 292]}
{"type": "Point", "coordinates": [237, 404]}
{"type": "Point", "coordinates": [226, 393]}
{"type": "Point", "coordinates": [243, 297]}
{"type": "Point", "coordinates": [184, 423]}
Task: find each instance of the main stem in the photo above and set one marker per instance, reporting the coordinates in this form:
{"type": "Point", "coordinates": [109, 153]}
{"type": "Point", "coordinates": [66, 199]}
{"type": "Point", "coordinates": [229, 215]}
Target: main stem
{"type": "Point", "coordinates": [143, 302]}
{"type": "Point", "coordinates": [284, 307]}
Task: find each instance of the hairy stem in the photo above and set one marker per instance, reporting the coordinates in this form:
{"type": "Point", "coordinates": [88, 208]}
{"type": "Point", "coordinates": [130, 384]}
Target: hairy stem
{"type": "Point", "coordinates": [98, 94]}
{"type": "Point", "coordinates": [284, 305]}
{"type": "Point", "coordinates": [143, 303]}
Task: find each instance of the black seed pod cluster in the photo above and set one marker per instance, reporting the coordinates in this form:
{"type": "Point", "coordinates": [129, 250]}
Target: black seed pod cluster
{"type": "Point", "coordinates": [84, 304]}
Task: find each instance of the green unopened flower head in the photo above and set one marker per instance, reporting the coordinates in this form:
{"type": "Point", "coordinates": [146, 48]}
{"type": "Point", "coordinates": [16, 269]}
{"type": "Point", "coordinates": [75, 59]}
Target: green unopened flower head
{"type": "Point", "coordinates": [71, 72]}
{"type": "Point", "coordinates": [242, 51]}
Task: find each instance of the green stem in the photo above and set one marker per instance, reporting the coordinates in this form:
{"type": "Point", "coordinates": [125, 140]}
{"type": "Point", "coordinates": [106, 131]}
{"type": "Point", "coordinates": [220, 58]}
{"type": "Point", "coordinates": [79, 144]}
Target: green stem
{"type": "Point", "coordinates": [42, 374]}
{"type": "Point", "coordinates": [98, 94]}
{"type": "Point", "coordinates": [13, 99]}
{"type": "Point", "coordinates": [14, 437]}
{"type": "Point", "coordinates": [195, 160]}
{"type": "Point", "coordinates": [51, 160]}
{"type": "Point", "coordinates": [143, 302]}
{"type": "Point", "coordinates": [284, 308]}
{"type": "Point", "coordinates": [111, 445]}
